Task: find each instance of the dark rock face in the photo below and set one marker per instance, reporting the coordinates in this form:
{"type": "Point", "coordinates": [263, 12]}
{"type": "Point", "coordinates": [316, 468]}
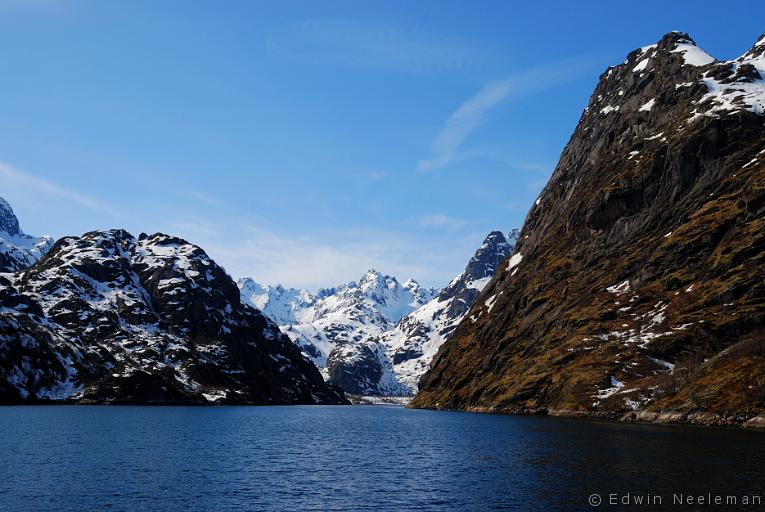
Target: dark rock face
{"type": "Point", "coordinates": [638, 281]}
{"type": "Point", "coordinates": [418, 336]}
{"type": "Point", "coordinates": [464, 290]}
{"type": "Point", "coordinates": [8, 221]}
{"type": "Point", "coordinates": [108, 318]}
{"type": "Point", "coordinates": [357, 368]}
{"type": "Point", "coordinates": [18, 250]}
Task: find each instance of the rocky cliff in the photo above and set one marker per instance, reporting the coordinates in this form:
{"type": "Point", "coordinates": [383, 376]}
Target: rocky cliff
{"type": "Point", "coordinates": [638, 282]}
{"type": "Point", "coordinates": [106, 317]}
{"type": "Point", "coordinates": [411, 345]}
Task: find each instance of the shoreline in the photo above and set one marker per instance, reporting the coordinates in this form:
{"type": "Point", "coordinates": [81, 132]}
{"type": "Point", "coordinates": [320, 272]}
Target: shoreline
{"type": "Point", "coordinates": [753, 422]}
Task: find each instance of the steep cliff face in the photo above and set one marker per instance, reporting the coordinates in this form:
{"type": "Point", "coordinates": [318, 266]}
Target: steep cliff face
{"type": "Point", "coordinates": [638, 280]}
{"type": "Point", "coordinates": [17, 249]}
{"type": "Point", "coordinates": [106, 317]}
{"type": "Point", "coordinates": [414, 341]}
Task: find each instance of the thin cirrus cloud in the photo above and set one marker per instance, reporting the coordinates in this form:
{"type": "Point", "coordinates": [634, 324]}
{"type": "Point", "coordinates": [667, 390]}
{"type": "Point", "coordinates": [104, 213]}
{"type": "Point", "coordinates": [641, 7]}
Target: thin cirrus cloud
{"type": "Point", "coordinates": [244, 246]}
{"type": "Point", "coordinates": [469, 115]}
{"type": "Point", "coordinates": [376, 175]}
{"type": "Point", "coordinates": [373, 46]}
{"type": "Point", "coordinates": [440, 220]}
{"type": "Point", "coordinates": [253, 246]}
{"type": "Point", "coordinates": [312, 261]}
{"type": "Point", "coordinates": [34, 186]}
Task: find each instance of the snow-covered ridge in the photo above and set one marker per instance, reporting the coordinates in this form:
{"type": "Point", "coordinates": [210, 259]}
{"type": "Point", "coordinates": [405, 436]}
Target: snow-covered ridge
{"type": "Point", "coordinates": [17, 249]}
{"type": "Point", "coordinates": [731, 86]}
{"type": "Point", "coordinates": [337, 316]}
{"type": "Point", "coordinates": [108, 317]}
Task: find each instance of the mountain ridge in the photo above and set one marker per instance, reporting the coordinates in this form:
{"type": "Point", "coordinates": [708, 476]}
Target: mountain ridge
{"type": "Point", "coordinates": [636, 285]}
{"type": "Point", "coordinates": [110, 318]}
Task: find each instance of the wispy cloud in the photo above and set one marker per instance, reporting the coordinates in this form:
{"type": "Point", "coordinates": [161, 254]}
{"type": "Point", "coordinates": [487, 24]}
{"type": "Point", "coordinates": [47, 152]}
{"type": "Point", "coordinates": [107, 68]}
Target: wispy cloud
{"type": "Point", "coordinates": [12, 177]}
{"type": "Point", "coordinates": [204, 198]}
{"type": "Point", "coordinates": [463, 121]}
{"type": "Point", "coordinates": [376, 175]}
{"type": "Point", "coordinates": [251, 245]}
{"type": "Point", "coordinates": [374, 45]}
{"type": "Point", "coordinates": [503, 157]}
{"type": "Point", "coordinates": [318, 260]}
{"type": "Point", "coordinates": [440, 220]}
{"type": "Point", "coordinates": [469, 115]}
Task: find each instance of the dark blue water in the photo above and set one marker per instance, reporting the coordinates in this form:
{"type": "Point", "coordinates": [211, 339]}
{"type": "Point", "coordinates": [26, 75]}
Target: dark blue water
{"type": "Point", "coordinates": [353, 458]}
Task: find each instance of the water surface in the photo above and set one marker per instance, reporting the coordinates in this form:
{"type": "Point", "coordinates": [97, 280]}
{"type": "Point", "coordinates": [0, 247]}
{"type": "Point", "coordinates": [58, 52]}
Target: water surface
{"type": "Point", "coordinates": [353, 458]}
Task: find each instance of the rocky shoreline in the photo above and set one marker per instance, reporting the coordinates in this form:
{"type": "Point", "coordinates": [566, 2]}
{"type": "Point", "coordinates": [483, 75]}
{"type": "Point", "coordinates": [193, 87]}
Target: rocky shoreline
{"type": "Point", "coordinates": [378, 400]}
{"type": "Point", "coordinates": [663, 417]}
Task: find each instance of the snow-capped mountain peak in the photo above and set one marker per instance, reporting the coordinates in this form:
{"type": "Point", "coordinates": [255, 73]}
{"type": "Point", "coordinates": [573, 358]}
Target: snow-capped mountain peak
{"type": "Point", "coordinates": [8, 221]}
{"type": "Point", "coordinates": [411, 346]}
{"type": "Point", "coordinates": [283, 305]}
{"type": "Point", "coordinates": [337, 317]}
{"type": "Point", "coordinates": [361, 333]}
{"type": "Point", "coordinates": [17, 249]}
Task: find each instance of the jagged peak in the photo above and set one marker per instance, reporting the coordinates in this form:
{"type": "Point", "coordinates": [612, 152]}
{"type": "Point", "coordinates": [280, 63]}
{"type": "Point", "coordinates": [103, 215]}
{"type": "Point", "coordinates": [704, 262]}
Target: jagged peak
{"type": "Point", "coordinates": [374, 278]}
{"type": "Point", "coordinates": [756, 54]}
{"type": "Point", "coordinates": [8, 220]}
{"type": "Point", "coordinates": [675, 67]}
{"type": "Point", "coordinates": [495, 248]}
{"type": "Point", "coordinates": [371, 273]}
{"type": "Point", "coordinates": [411, 283]}
{"type": "Point", "coordinates": [493, 235]}
{"type": "Point", "coordinates": [164, 239]}
{"type": "Point", "coordinates": [674, 42]}
{"type": "Point", "coordinates": [492, 240]}
{"type": "Point", "coordinates": [677, 36]}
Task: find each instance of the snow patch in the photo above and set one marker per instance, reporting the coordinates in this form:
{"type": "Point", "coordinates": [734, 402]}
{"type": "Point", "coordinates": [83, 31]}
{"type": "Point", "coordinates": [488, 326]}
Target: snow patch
{"type": "Point", "coordinates": [648, 106]}
{"type": "Point", "coordinates": [620, 288]}
{"type": "Point", "coordinates": [693, 55]}
{"type": "Point", "coordinates": [515, 259]}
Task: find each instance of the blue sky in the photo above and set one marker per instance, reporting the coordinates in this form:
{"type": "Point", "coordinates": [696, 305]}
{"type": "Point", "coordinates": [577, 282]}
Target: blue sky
{"type": "Point", "coordinates": [304, 142]}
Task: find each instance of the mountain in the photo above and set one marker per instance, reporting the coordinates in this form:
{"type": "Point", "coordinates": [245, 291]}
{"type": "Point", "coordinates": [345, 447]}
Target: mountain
{"type": "Point", "coordinates": [637, 287]}
{"type": "Point", "coordinates": [18, 250]}
{"type": "Point", "coordinates": [106, 317]}
{"type": "Point", "coordinates": [414, 341]}
{"type": "Point", "coordinates": [377, 337]}
{"type": "Point", "coordinates": [282, 305]}
{"type": "Point", "coordinates": [334, 326]}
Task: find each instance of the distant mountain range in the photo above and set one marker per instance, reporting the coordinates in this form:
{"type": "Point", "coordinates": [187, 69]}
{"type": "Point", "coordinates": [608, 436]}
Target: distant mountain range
{"type": "Point", "coordinates": [107, 317]}
{"type": "Point", "coordinates": [377, 336]}
{"type": "Point", "coordinates": [637, 287]}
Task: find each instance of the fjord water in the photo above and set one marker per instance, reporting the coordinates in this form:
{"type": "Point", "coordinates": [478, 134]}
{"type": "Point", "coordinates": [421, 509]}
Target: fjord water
{"type": "Point", "coordinates": [353, 458]}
